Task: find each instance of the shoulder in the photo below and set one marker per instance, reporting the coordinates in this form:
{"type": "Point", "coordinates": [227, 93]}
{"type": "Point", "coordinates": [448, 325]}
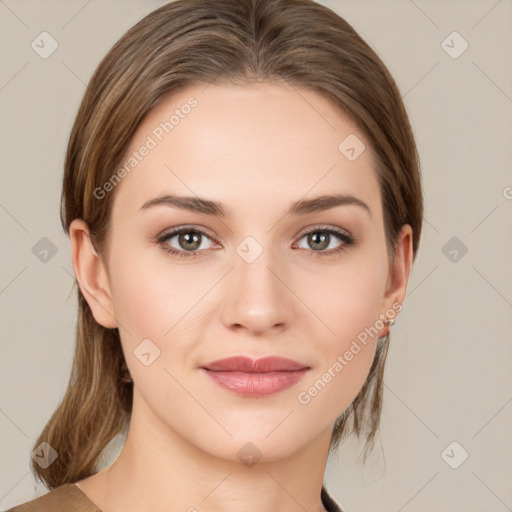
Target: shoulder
{"type": "Point", "coordinates": [329, 503]}
{"type": "Point", "coordinates": [66, 498]}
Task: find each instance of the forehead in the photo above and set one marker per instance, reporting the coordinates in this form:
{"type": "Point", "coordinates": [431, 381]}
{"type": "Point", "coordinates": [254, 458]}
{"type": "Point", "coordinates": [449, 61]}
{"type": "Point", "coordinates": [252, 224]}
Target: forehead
{"type": "Point", "coordinates": [246, 146]}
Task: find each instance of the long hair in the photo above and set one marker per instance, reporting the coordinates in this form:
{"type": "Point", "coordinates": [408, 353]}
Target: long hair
{"type": "Point", "coordinates": [190, 42]}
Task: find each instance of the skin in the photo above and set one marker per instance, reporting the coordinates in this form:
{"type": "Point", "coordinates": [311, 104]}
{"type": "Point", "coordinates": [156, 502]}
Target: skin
{"type": "Point", "coordinates": [256, 149]}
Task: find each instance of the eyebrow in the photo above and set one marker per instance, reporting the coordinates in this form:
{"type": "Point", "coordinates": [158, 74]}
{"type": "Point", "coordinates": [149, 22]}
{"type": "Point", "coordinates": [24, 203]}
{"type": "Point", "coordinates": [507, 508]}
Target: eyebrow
{"type": "Point", "coordinates": [214, 208]}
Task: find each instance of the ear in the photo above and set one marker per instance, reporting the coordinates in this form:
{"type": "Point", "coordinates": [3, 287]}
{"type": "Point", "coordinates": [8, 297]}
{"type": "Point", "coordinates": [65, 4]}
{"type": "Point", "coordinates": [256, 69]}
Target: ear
{"type": "Point", "coordinates": [91, 274]}
{"type": "Point", "coordinates": [399, 272]}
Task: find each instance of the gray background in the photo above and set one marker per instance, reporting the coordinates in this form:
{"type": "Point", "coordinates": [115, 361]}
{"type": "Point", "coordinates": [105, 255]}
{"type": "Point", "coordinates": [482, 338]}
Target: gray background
{"type": "Point", "coordinates": [448, 377]}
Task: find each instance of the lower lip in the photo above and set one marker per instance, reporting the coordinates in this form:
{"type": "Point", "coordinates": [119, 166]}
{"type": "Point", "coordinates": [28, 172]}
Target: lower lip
{"type": "Point", "coordinates": [256, 384]}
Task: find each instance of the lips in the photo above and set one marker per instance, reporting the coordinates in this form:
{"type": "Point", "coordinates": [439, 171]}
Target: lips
{"type": "Point", "coordinates": [255, 377]}
{"type": "Point", "coordinates": [249, 365]}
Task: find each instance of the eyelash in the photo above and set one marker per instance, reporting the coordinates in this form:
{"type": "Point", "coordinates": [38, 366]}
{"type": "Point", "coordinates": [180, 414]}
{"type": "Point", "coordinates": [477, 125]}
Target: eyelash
{"type": "Point", "coordinates": [343, 236]}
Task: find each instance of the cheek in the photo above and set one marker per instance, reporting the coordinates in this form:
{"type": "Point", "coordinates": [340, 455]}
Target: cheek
{"type": "Point", "coordinates": [346, 354]}
{"type": "Point", "coordinates": [156, 304]}
{"type": "Point", "coordinates": [347, 304]}
{"type": "Point", "coordinates": [149, 293]}
{"type": "Point", "coordinates": [346, 298]}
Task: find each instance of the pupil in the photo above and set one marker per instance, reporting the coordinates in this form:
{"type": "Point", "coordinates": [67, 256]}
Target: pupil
{"type": "Point", "coordinates": [191, 239]}
{"type": "Point", "coordinates": [323, 239]}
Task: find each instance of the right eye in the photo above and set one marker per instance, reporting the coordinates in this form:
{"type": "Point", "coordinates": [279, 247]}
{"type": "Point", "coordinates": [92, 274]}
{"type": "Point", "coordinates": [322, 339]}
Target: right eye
{"type": "Point", "coordinates": [189, 241]}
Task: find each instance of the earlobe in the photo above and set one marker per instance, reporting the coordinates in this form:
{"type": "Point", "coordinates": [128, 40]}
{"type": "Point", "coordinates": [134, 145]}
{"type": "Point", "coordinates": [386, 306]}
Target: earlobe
{"type": "Point", "coordinates": [91, 274]}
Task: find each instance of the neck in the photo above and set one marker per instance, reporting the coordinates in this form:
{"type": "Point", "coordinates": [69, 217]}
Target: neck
{"type": "Point", "coordinates": [158, 470]}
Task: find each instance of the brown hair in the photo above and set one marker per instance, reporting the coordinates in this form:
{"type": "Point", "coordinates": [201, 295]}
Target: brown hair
{"type": "Point", "coordinates": [190, 42]}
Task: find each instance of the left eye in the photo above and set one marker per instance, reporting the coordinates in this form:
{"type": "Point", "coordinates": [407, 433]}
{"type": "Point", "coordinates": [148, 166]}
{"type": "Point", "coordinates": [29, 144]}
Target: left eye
{"type": "Point", "coordinates": [321, 239]}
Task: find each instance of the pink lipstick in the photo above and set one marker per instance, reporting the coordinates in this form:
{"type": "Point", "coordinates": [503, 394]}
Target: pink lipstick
{"type": "Point", "coordinates": [255, 377]}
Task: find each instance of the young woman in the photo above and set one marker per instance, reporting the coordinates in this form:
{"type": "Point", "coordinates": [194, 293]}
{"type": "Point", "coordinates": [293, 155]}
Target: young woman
{"type": "Point", "coordinates": [243, 199]}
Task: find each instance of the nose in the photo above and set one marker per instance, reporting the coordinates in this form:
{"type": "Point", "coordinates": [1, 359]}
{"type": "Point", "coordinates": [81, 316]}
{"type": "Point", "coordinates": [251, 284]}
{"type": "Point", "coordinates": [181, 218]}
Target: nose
{"type": "Point", "coordinates": [257, 298]}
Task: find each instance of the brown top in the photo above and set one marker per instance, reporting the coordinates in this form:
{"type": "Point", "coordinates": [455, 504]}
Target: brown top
{"type": "Point", "coordinates": [66, 498]}
{"type": "Point", "coordinates": [70, 498]}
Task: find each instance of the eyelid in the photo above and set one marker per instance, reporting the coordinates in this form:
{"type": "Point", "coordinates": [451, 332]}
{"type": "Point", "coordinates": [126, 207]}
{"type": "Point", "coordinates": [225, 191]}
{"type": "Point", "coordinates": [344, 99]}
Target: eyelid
{"type": "Point", "coordinates": [190, 227]}
{"type": "Point", "coordinates": [207, 232]}
{"type": "Point", "coordinates": [343, 235]}
{"type": "Point", "coordinates": [321, 227]}
{"type": "Point", "coordinates": [176, 231]}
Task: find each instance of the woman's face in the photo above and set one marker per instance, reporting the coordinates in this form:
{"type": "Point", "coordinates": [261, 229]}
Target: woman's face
{"type": "Point", "coordinates": [250, 282]}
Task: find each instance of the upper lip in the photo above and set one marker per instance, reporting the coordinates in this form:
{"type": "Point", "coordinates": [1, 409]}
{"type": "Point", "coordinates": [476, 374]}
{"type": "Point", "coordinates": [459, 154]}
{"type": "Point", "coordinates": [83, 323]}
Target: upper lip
{"type": "Point", "coordinates": [250, 365]}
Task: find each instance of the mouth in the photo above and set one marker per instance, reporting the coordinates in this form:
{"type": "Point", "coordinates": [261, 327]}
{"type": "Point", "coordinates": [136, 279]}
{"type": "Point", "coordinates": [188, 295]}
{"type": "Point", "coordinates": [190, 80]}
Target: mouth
{"type": "Point", "coordinates": [255, 377]}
